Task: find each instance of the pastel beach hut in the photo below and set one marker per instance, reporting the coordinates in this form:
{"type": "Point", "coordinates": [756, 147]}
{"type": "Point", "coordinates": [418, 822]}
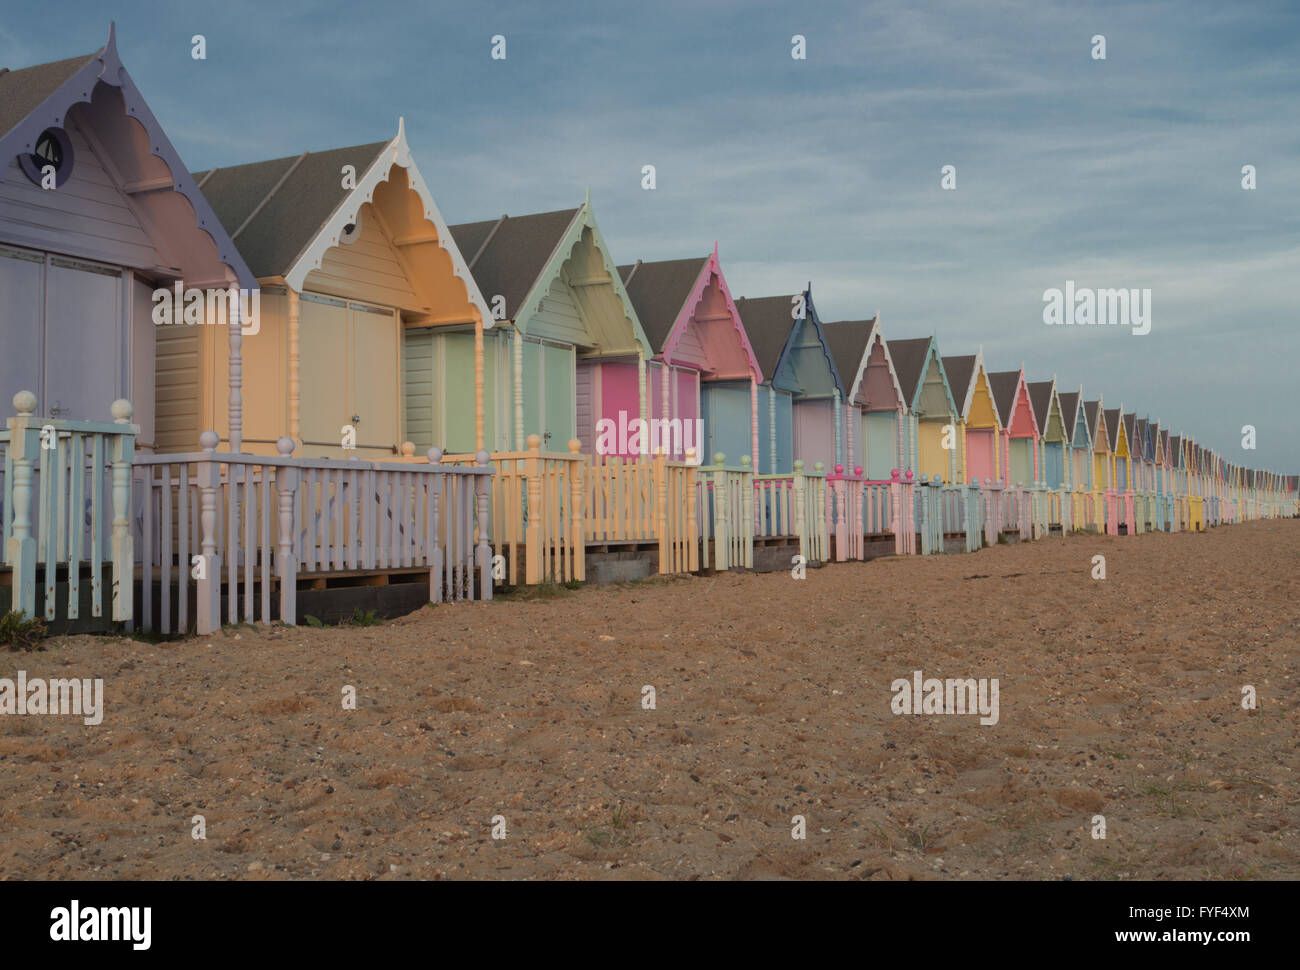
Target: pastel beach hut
{"type": "Point", "coordinates": [1019, 426]}
{"type": "Point", "coordinates": [980, 459]}
{"type": "Point", "coordinates": [875, 411]}
{"type": "Point", "coordinates": [1078, 463]}
{"type": "Point", "coordinates": [802, 395]}
{"type": "Point", "coordinates": [564, 317]}
{"type": "Point", "coordinates": [1119, 499]}
{"type": "Point", "coordinates": [931, 410]}
{"type": "Point", "coordinates": [356, 266]}
{"type": "Point", "coordinates": [98, 214]}
{"type": "Point", "coordinates": [1177, 484]}
{"type": "Point", "coordinates": [704, 373]}
{"type": "Point", "coordinates": [1100, 473]}
{"type": "Point", "coordinates": [1051, 432]}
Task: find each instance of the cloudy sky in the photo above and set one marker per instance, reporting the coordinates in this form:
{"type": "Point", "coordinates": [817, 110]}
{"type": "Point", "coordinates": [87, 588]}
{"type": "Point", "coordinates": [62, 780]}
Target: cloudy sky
{"type": "Point", "coordinates": [1123, 172]}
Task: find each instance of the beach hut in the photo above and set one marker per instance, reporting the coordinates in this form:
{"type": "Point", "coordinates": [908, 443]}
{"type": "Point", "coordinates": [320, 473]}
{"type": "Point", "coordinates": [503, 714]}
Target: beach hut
{"type": "Point", "coordinates": [98, 214]}
{"type": "Point", "coordinates": [876, 408]}
{"type": "Point", "coordinates": [1078, 464]}
{"type": "Point", "coordinates": [1101, 466]}
{"type": "Point", "coordinates": [704, 374]}
{"type": "Point", "coordinates": [980, 457]}
{"type": "Point", "coordinates": [572, 351]}
{"type": "Point", "coordinates": [1118, 449]}
{"type": "Point", "coordinates": [354, 260]}
{"type": "Point", "coordinates": [1051, 432]}
{"type": "Point", "coordinates": [1019, 426]}
{"type": "Point", "coordinates": [932, 412]}
{"type": "Point", "coordinates": [803, 393]}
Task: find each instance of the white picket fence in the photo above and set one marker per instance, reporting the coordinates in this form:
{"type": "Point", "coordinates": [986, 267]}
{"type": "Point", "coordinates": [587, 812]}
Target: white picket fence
{"type": "Point", "coordinates": [261, 523]}
{"type": "Point", "coordinates": [66, 495]}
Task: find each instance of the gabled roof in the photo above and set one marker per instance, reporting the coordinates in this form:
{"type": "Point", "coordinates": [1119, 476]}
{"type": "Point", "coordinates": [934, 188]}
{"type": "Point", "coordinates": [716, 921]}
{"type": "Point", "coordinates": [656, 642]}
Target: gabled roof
{"type": "Point", "coordinates": [851, 343]}
{"type": "Point", "coordinates": [519, 257]}
{"type": "Point", "coordinates": [668, 293]}
{"type": "Point", "coordinates": [910, 357]}
{"type": "Point", "coordinates": [1134, 449]}
{"type": "Point", "coordinates": [1096, 422]}
{"type": "Point", "coordinates": [273, 209]}
{"type": "Point", "coordinates": [1176, 450]}
{"type": "Point", "coordinates": [1070, 401]}
{"type": "Point", "coordinates": [1040, 396]}
{"type": "Point", "coordinates": [768, 322]}
{"type": "Point", "coordinates": [659, 291]}
{"type": "Point", "coordinates": [1112, 427]}
{"type": "Point", "coordinates": [961, 378]}
{"type": "Point", "coordinates": [1006, 385]}
{"type": "Point", "coordinates": [507, 255]}
{"type": "Point", "coordinates": [22, 91]}
{"type": "Point", "coordinates": [35, 98]}
{"type": "Point", "coordinates": [1144, 442]}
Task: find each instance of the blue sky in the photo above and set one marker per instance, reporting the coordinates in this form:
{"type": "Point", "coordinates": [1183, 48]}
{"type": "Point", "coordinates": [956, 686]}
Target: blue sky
{"type": "Point", "coordinates": [1117, 173]}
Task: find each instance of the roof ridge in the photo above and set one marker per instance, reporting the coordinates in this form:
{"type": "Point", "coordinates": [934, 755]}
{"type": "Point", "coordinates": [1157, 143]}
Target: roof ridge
{"type": "Point", "coordinates": [490, 236]}
{"type": "Point", "coordinates": [274, 189]}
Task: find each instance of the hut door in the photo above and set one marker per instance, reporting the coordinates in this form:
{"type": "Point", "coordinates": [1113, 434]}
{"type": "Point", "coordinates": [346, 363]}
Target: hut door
{"type": "Point", "coordinates": [63, 334]}
{"type": "Point", "coordinates": [373, 333]}
{"type": "Point", "coordinates": [83, 339]}
{"type": "Point", "coordinates": [349, 371]}
{"type": "Point", "coordinates": [323, 370]}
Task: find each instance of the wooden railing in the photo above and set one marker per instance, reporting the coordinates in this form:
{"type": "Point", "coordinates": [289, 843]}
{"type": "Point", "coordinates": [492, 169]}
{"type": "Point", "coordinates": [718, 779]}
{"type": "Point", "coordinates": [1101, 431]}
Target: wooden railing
{"type": "Point", "coordinates": [260, 523]}
{"type": "Point", "coordinates": [538, 513]}
{"type": "Point", "coordinates": [726, 506]}
{"type": "Point", "coordinates": [77, 473]}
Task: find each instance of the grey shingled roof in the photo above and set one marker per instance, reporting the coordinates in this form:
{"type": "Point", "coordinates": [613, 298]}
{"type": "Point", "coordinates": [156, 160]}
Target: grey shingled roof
{"type": "Point", "coordinates": [768, 323]}
{"type": "Point", "coordinates": [909, 358]}
{"type": "Point", "coordinates": [290, 215]}
{"type": "Point", "coordinates": [848, 341]}
{"type": "Point", "coordinates": [1069, 411]}
{"type": "Point", "coordinates": [1004, 384]}
{"type": "Point", "coordinates": [658, 292]}
{"type": "Point", "coordinates": [1112, 426]}
{"type": "Point", "coordinates": [23, 90]}
{"type": "Point", "coordinates": [960, 371]}
{"type": "Point", "coordinates": [1040, 396]}
{"type": "Point", "coordinates": [1090, 409]}
{"type": "Point", "coordinates": [517, 250]}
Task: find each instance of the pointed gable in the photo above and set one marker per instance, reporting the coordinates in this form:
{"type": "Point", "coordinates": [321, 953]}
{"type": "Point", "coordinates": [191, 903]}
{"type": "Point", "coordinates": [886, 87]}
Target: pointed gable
{"type": "Point", "coordinates": [792, 350]}
{"type": "Point", "coordinates": [689, 316]}
{"type": "Point", "coordinates": [1047, 410]}
{"type": "Point", "coordinates": [508, 255]}
{"type": "Point", "coordinates": [554, 273]}
{"type": "Point", "coordinates": [381, 239]}
{"type": "Point", "coordinates": [961, 378]}
{"type": "Point", "coordinates": [134, 200]}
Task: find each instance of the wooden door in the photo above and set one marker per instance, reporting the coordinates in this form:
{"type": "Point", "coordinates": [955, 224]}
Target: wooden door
{"type": "Point", "coordinates": [373, 334]}
{"type": "Point", "coordinates": [83, 340]}
{"type": "Point", "coordinates": [324, 397]}
{"type": "Point", "coordinates": [22, 298]}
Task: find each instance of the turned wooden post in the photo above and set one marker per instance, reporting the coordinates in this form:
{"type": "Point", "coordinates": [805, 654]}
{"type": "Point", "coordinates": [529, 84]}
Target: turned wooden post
{"type": "Point", "coordinates": [533, 558]}
{"type": "Point", "coordinates": [123, 546]}
{"type": "Point", "coordinates": [721, 527]}
{"type": "Point", "coordinates": [20, 551]}
{"type": "Point", "coordinates": [433, 541]}
{"type": "Point", "coordinates": [577, 512]}
{"type": "Point", "coordinates": [482, 488]}
{"type": "Point", "coordinates": [208, 588]}
{"type": "Point", "coordinates": [286, 560]}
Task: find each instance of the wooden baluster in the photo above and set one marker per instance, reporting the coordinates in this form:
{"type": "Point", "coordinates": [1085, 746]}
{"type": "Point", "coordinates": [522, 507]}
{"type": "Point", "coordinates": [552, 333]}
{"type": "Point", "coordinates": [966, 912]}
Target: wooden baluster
{"type": "Point", "coordinates": [434, 540]}
{"type": "Point", "coordinates": [208, 611]}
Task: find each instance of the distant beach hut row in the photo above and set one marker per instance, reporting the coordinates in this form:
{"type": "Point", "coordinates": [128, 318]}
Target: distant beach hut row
{"type": "Point", "coordinates": [328, 386]}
